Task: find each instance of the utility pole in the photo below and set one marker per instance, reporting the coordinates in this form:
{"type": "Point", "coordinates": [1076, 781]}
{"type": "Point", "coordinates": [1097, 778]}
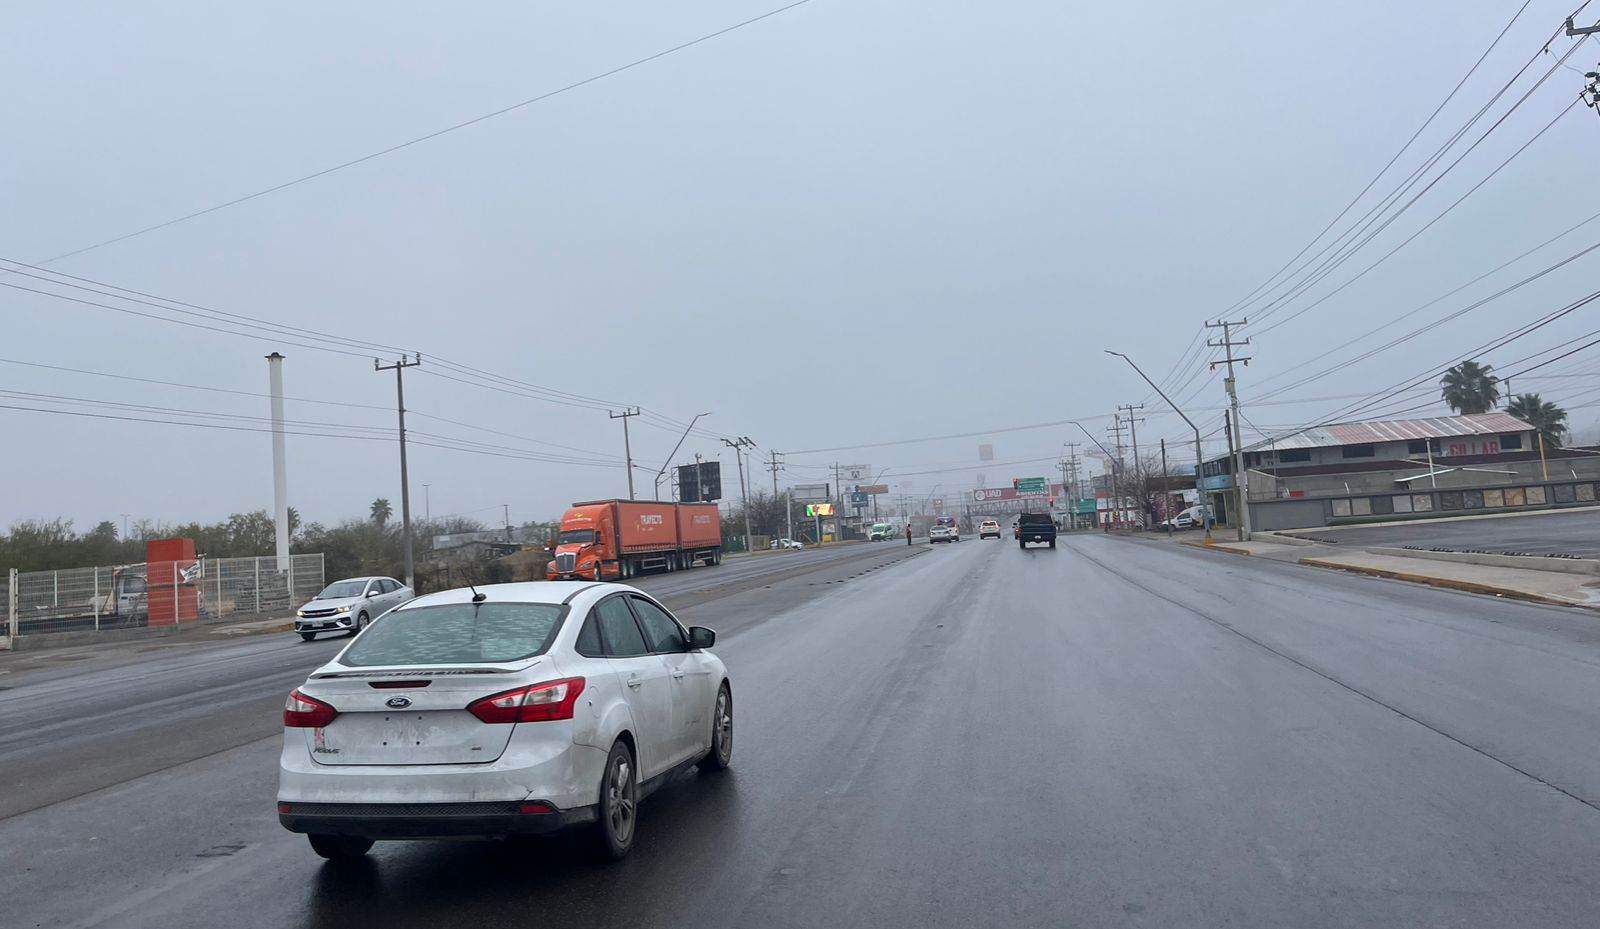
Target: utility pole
{"type": "Point", "coordinates": [1069, 477]}
{"type": "Point", "coordinates": [738, 446]}
{"type": "Point", "coordinates": [1138, 469]}
{"type": "Point", "coordinates": [507, 508]}
{"type": "Point", "coordinates": [627, 449]}
{"type": "Point", "coordinates": [774, 465]}
{"type": "Point", "coordinates": [427, 503]}
{"type": "Point", "coordinates": [399, 368]}
{"type": "Point", "coordinates": [1116, 489]}
{"type": "Point", "coordinates": [280, 480]}
{"type": "Point", "coordinates": [1166, 487]}
{"type": "Point", "coordinates": [1237, 437]}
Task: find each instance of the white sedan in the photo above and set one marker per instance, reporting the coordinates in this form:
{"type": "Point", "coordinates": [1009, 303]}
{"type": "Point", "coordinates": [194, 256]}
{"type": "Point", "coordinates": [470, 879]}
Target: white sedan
{"type": "Point", "coordinates": [348, 605]}
{"type": "Point", "coordinates": [512, 709]}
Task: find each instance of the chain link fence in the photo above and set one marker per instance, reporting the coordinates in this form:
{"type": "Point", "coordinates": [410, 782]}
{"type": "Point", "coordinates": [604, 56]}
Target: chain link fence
{"type": "Point", "coordinates": [157, 594]}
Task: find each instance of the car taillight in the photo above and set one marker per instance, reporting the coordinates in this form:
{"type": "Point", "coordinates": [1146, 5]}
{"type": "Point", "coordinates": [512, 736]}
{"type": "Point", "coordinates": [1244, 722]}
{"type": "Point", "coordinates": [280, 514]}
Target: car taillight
{"type": "Point", "coordinates": [303, 712]}
{"type": "Point", "coordinates": [532, 704]}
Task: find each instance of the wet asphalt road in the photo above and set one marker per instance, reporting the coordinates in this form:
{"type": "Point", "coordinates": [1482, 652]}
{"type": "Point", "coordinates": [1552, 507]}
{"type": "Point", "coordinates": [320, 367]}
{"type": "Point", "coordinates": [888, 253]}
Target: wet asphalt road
{"type": "Point", "coordinates": [1568, 533]}
{"type": "Point", "coordinates": [1113, 733]}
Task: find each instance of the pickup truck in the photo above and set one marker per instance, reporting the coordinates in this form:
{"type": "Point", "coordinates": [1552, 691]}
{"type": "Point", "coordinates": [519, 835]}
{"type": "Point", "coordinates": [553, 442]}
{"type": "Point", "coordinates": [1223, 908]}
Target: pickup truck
{"type": "Point", "coordinates": [1035, 527]}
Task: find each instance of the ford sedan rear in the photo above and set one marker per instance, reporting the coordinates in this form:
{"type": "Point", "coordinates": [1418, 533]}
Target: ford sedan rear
{"type": "Point", "coordinates": [513, 709]}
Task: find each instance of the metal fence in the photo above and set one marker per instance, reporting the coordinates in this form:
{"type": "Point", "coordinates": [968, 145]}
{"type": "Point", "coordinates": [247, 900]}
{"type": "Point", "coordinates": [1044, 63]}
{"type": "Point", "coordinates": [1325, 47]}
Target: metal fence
{"type": "Point", "coordinates": [158, 594]}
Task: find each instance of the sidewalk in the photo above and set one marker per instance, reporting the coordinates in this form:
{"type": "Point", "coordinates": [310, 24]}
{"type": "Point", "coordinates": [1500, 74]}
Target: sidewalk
{"type": "Point", "coordinates": [1519, 583]}
{"type": "Point", "coordinates": [139, 638]}
{"type": "Point", "coordinates": [1555, 587]}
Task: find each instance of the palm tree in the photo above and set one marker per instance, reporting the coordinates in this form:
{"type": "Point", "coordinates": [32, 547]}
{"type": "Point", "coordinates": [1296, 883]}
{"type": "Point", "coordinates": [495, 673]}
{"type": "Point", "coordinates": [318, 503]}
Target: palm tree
{"type": "Point", "coordinates": [1549, 419]}
{"type": "Point", "coordinates": [1470, 387]}
{"type": "Point", "coordinates": [381, 510]}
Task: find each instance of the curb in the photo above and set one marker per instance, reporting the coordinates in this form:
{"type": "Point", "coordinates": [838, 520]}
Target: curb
{"type": "Point", "coordinates": [1588, 567]}
{"type": "Point", "coordinates": [1444, 582]}
{"type": "Point", "coordinates": [1284, 539]}
{"type": "Point", "coordinates": [1217, 547]}
{"type": "Point", "coordinates": [285, 626]}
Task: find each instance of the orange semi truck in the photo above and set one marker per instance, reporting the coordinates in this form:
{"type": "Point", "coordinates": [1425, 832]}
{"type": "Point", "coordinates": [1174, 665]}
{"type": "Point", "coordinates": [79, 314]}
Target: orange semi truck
{"type": "Point", "coordinates": [615, 539]}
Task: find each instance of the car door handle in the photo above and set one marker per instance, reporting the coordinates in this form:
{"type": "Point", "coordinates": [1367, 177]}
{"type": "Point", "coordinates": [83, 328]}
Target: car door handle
{"type": "Point", "coordinates": [676, 675]}
{"type": "Point", "coordinates": [635, 682]}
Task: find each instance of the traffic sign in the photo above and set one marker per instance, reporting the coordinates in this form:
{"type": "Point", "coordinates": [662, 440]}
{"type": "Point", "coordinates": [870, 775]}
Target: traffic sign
{"type": "Point", "coordinates": [858, 500]}
{"type": "Point", "coordinates": [1031, 485]}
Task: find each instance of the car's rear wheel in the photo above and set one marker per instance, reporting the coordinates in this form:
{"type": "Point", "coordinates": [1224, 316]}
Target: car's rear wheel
{"type": "Point", "coordinates": [619, 804]}
{"type": "Point", "coordinates": [339, 847]}
{"type": "Point", "coordinates": [721, 754]}
{"type": "Point", "coordinates": [307, 636]}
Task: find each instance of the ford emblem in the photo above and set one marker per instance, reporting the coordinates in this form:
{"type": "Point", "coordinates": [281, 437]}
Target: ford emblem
{"type": "Point", "coordinates": [397, 703]}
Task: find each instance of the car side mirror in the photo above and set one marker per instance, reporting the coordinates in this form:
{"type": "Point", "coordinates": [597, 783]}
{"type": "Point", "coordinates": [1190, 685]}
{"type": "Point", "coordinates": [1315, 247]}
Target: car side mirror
{"type": "Point", "coordinates": [701, 637]}
{"type": "Point", "coordinates": [371, 593]}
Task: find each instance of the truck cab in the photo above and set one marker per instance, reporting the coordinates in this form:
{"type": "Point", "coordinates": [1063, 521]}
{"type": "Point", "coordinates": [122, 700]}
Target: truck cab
{"type": "Point", "coordinates": [583, 544]}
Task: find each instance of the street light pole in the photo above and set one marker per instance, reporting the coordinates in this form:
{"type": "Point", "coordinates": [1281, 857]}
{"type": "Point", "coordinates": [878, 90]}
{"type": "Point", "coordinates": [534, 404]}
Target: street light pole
{"type": "Point", "coordinates": [1111, 460]}
{"type": "Point", "coordinates": [1205, 511]}
{"type": "Point", "coordinates": [668, 463]}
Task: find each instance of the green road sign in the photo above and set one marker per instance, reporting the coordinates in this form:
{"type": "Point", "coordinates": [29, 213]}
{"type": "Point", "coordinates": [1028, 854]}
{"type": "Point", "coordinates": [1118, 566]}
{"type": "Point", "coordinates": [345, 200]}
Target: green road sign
{"type": "Point", "coordinates": [1031, 485]}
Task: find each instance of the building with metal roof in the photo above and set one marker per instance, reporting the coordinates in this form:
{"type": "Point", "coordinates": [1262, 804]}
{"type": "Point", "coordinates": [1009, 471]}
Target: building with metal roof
{"type": "Point", "coordinates": [1395, 430]}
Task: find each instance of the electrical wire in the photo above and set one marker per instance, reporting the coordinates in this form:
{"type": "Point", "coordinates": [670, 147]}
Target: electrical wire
{"type": "Point", "coordinates": [483, 117]}
{"type": "Point", "coordinates": [1384, 170]}
{"type": "Point", "coordinates": [1343, 250]}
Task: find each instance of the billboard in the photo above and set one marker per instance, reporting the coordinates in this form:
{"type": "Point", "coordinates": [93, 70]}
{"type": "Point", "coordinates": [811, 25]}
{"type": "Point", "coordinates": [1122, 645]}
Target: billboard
{"type": "Point", "coordinates": [855, 472]}
{"type": "Point", "coordinates": [700, 483]}
{"type": "Point", "coordinates": [819, 509]}
{"type": "Point", "coordinates": [809, 493]}
{"type": "Point", "coordinates": [988, 494]}
{"type": "Point", "coordinates": [870, 489]}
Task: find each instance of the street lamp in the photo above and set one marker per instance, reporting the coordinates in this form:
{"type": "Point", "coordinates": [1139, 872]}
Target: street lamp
{"type": "Point", "coordinates": [1115, 501]}
{"type": "Point", "coordinates": [1205, 511]}
{"type": "Point", "coordinates": [668, 463]}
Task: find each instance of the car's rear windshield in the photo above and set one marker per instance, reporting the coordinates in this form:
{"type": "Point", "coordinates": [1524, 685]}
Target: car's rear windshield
{"type": "Point", "coordinates": [457, 633]}
{"type": "Point", "coordinates": [338, 590]}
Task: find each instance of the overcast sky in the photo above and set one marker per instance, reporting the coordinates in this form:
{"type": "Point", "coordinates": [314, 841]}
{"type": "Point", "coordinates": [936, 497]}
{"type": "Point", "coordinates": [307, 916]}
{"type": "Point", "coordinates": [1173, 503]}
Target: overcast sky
{"type": "Point", "coordinates": [858, 221]}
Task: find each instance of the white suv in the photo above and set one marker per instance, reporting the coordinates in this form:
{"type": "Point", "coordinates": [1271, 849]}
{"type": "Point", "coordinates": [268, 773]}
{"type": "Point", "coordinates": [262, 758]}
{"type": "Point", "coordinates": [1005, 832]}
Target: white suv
{"type": "Point", "coordinates": [512, 709]}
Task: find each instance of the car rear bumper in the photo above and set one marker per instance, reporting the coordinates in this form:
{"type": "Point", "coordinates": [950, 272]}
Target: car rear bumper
{"type": "Point", "coordinates": [538, 764]}
{"type": "Point", "coordinates": [428, 820]}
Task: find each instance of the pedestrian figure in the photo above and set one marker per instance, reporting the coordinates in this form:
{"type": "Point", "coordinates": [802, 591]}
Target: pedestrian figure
{"type": "Point", "coordinates": [908, 533]}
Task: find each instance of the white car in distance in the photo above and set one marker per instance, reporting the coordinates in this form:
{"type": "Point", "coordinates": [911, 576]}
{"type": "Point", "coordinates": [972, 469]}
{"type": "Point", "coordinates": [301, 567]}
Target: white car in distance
{"type": "Point", "coordinates": [508, 710]}
{"type": "Point", "coordinates": [348, 605]}
{"type": "Point", "coordinates": [786, 544]}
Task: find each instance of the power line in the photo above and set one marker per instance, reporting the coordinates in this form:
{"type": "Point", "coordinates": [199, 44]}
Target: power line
{"type": "Point", "coordinates": [339, 403]}
{"type": "Point", "coordinates": [1411, 238]}
{"type": "Point", "coordinates": [370, 156]}
{"type": "Point", "coordinates": [953, 435]}
{"type": "Point", "coordinates": [281, 333]}
{"type": "Point", "coordinates": [1430, 327]}
{"type": "Point", "coordinates": [1342, 250]}
{"type": "Point", "coordinates": [1412, 312]}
